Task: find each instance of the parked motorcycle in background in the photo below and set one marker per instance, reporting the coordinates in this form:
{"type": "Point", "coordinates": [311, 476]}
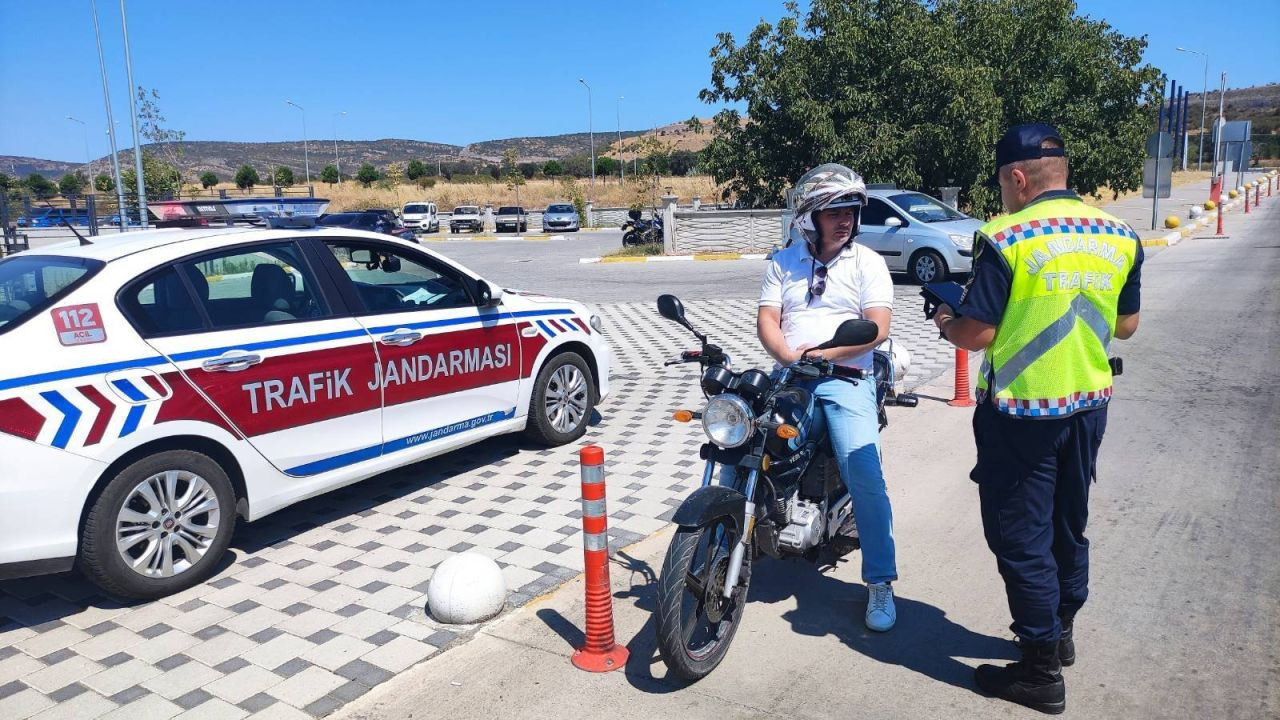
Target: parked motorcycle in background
{"type": "Point", "coordinates": [638, 231]}
{"type": "Point", "coordinates": [786, 499]}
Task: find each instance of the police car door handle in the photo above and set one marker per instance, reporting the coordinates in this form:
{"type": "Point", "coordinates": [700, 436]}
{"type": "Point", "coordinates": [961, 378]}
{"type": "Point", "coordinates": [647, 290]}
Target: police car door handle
{"type": "Point", "coordinates": [231, 362]}
{"type": "Point", "coordinates": [401, 337]}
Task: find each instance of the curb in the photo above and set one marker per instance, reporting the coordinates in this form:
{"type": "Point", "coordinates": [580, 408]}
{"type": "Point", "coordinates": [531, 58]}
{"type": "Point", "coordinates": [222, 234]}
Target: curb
{"type": "Point", "coordinates": [703, 257]}
{"type": "Point", "coordinates": [1174, 237]}
{"type": "Point", "coordinates": [492, 238]}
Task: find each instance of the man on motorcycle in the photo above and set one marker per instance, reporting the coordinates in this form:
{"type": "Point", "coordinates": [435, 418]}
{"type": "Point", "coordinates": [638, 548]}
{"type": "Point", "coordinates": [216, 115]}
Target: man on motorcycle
{"type": "Point", "coordinates": [808, 290]}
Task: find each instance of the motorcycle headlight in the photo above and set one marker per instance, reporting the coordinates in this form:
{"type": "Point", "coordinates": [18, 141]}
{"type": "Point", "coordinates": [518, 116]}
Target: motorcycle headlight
{"type": "Point", "coordinates": [964, 242]}
{"type": "Point", "coordinates": [728, 421]}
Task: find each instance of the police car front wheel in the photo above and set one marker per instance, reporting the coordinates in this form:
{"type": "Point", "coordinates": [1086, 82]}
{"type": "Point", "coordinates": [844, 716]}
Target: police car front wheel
{"type": "Point", "coordinates": [159, 526]}
{"type": "Point", "coordinates": [562, 401]}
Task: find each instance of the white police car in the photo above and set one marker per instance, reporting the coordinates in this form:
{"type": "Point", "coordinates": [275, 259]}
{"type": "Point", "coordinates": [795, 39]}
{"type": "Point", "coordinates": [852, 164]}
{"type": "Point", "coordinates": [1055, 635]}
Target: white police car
{"type": "Point", "coordinates": [155, 386]}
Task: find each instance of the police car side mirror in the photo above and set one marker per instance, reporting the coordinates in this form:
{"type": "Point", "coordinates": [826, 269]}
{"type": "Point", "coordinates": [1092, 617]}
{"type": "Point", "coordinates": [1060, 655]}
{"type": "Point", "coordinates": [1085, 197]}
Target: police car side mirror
{"type": "Point", "coordinates": [487, 296]}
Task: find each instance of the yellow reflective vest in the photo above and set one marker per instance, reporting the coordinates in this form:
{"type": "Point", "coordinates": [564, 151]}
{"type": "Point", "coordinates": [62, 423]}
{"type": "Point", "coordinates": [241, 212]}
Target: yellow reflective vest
{"type": "Point", "coordinates": [1068, 262]}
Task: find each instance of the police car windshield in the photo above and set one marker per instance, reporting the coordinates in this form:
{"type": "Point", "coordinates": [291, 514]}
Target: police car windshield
{"type": "Point", "coordinates": [31, 283]}
{"type": "Point", "coordinates": [924, 208]}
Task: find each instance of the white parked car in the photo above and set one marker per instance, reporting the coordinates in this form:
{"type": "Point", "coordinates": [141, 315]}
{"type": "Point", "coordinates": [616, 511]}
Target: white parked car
{"type": "Point", "coordinates": [158, 385]}
{"type": "Point", "coordinates": [420, 216]}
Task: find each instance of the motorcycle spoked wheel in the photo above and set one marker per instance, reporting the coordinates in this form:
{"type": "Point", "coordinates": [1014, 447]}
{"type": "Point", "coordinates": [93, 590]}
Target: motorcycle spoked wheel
{"type": "Point", "coordinates": [695, 622]}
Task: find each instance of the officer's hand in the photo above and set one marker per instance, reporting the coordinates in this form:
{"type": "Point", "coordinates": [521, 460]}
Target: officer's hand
{"type": "Point", "coordinates": [942, 314]}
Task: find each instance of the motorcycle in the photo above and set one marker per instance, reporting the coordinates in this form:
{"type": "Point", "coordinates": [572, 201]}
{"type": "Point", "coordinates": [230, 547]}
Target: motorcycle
{"type": "Point", "coordinates": [638, 231]}
{"type": "Point", "coordinates": [786, 499]}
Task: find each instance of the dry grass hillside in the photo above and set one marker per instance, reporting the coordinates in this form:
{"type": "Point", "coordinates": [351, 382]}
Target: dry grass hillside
{"type": "Point", "coordinates": [535, 194]}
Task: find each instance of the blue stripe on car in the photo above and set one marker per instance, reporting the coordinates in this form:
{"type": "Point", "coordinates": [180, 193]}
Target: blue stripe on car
{"type": "Point", "coordinates": [70, 417]}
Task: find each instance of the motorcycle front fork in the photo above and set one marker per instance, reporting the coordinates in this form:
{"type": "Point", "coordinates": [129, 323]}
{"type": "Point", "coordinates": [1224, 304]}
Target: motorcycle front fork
{"type": "Point", "coordinates": [748, 522]}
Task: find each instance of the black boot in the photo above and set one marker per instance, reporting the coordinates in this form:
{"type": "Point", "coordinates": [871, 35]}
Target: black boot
{"type": "Point", "coordinates": [1067, 643]}
{"type": "Point", "coordinates": [1034, 681]}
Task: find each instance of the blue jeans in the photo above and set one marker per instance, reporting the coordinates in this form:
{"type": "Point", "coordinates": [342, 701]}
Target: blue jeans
{"type": "Point", "coordinates": [849, 414]}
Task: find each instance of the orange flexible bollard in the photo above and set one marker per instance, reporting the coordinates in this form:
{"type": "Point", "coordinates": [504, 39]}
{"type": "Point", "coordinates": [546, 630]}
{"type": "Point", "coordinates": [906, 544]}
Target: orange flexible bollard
{"type": "Point", "coordinates": [1246, 201]}
{"type": "Point", "coordinates": [1257, 194]}
{"type": "Point", "coordinates": [600, 653]}
{"type": "Point", "coordinates": [962, 398]}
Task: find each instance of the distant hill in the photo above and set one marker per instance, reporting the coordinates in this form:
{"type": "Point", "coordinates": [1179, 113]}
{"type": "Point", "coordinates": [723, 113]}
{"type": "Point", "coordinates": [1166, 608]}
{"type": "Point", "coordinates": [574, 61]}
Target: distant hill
{"type": "Point", "coordinates": [224, 158]}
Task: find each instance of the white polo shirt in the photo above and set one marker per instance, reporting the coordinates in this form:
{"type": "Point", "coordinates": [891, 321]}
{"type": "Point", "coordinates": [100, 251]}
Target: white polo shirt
{"type": "Point", "coordinates": [857, 279]}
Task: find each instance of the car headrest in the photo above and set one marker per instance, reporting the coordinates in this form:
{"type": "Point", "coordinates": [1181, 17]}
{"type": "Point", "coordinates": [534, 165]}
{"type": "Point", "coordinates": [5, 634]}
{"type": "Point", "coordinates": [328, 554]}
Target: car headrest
{"type": "Point", "coordinates": [270, 282]}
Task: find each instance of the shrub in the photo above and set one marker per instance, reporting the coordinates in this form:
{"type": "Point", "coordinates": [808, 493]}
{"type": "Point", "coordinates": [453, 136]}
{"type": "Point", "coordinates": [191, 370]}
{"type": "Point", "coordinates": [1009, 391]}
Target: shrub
{"type": "Point", "coordinates": [284, 177]}
{"type": "Point", "coordinates": [329, 174]}
{"type": "Point", "coordinates": [247, 177]}
{"type": "Point", "coordinates": [425, 182]}
{"type": "Point", "coordinates": [40, 186]}
{"type": "Point", "coordinates": [72, 183]}
{"type": "Point", "coordinates": [207, 179]}
{"type": "Point", "coordinates": [367, 175]}
{"type": "Point", "coordinates": [415, 170]}
{"type": "Point", "coordinates": [104, 183]}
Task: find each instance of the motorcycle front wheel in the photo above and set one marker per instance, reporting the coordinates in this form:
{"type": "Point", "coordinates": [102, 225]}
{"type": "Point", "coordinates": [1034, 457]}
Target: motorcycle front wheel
{"type": "Point", "coordinates": [695, 622]}
{"type": "Point", "coordinates": [630, 238]}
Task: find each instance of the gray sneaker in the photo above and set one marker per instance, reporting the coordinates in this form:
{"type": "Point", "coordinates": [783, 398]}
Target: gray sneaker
{"type": "Point", "coordinates": [881, 614]}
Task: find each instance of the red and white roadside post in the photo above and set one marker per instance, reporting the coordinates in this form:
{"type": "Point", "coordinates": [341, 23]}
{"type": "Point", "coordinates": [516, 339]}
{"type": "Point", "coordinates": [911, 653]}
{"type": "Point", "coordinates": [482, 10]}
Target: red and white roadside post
{"type": "Point", "coordinates": [961, 398]}
{"type": "Point", "coordinates": [600, 653]}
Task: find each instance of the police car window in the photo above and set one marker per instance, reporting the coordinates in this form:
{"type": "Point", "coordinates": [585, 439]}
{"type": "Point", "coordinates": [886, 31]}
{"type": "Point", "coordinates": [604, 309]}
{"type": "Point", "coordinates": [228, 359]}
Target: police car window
{"type": "Point", "coordinates": [876, 212]}
{"type": "Point", "coordinates": [162, 304]}
{"type": "Point", "coordinates": [29, 284]}
{"type": "Point", "coordinates": [258, 285]}
{"type": "Point", "coordinates": [389, 280]}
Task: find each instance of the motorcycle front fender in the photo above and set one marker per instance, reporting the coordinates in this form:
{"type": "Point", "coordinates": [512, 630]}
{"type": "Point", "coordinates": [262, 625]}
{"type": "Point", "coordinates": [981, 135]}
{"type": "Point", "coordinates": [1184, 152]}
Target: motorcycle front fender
{"type": "Point", "coordinates": [711, 503]}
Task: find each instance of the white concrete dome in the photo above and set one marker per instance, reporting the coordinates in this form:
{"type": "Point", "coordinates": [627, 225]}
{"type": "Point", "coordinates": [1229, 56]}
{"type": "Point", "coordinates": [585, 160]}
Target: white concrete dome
{"type": "Point", "coordinates": [466, 588]}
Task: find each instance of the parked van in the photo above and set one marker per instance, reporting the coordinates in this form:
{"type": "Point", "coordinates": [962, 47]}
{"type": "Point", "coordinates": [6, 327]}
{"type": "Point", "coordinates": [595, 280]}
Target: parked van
{"type": "Point", "coordinates": [420, 217]}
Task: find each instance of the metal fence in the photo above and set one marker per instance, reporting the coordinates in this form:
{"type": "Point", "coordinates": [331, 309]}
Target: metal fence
{"type": "Point", "coordinates": [723, 231]}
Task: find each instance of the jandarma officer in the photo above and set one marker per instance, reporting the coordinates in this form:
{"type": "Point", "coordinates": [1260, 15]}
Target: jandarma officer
{"type": "Point", "coordinates": [1053, 282]}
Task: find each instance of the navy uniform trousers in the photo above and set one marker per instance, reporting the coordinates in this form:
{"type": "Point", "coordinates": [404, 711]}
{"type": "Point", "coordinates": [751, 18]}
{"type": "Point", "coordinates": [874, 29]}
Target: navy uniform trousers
{"type": "Point", "coordinates": [1033, 478]}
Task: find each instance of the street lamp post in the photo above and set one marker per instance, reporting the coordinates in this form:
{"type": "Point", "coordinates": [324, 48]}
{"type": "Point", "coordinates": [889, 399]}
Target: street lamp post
{"type": "Point", "coordinates": [143, 216]}
{"type": "Point", "coordinates": [306, 153]}
{"type": "Point", "coordinates": [85, 129]}
{"type": "Point", "coordinates": [111, 122]}
{"type": "Point", "coordinates": [1204, 95]}
{"type": "Point", "coordinates": [336, 163]}
{"type": "Point", "coordinates": [622, 163]}
{"type": "Point", "coordinates": [591, 131]}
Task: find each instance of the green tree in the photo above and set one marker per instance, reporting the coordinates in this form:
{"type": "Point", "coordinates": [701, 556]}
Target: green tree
{"type": "Point", "coordinates": [162, 180]}
{"type": "Point", "coordinates": [283, 177]}
{"type": "Point", "coordinates": [918, 91]}
{"type": "Point", "coordinates": [6, 182]}
{"type": "Point", "coordinates": [329, 174]}
{"type": "Point", "coordinates": [552, 168]}
{"type": "Point", "coordinates": [104, 183]}
{"type": "Point", "coordinates": [208, 179]}
{"type": "Point", "coordinates": [394, 173]}
{"type": "Point", "coordinates": [247, 177]}
{"type": "Point", "coordinates": [511, 171]}
{"type": "Point", "coordinates": [40, 186]}
{"type": "Point", "coordinates": [529, 169]}
{"type": "Point", "coordinates": [367, 174]}
{"type": "Point", "coordinates": [415, 170]}
{"type": "Point", "coordinates": [72, 183]}
{"type": "Point", "coordinates": [165, 141]}
{"type": "Point", "coordinates": [606, 166]}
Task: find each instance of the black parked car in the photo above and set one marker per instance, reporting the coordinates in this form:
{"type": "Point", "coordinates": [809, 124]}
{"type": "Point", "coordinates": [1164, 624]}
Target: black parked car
{"type": "Point", "coordinates": [370, 220]}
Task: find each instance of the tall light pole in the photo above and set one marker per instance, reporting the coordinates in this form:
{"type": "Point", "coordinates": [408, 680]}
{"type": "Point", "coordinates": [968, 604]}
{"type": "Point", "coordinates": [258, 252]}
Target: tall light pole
{"type": "Point", "coordinates": [143, 218]}
{"type": "Point", "coordinates": [336, 163]}
{"type": "Point", "coordinates": [306, 154]}
{"type": "Point", "coordinates": [85, 129]}
{"type": "Point", "coordinates": [111, 122]}
{"type": "Point", "coordinates": [1204, 95]}
{"type": "Point", "coordinates": [622, 163]}
{"type": "Point", "coordinates": [592, 132]}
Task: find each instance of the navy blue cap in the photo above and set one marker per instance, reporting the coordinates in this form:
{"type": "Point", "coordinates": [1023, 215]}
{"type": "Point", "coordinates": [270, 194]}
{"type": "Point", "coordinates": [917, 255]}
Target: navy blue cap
{"type": "Point", "coordinates": [1022, 142]}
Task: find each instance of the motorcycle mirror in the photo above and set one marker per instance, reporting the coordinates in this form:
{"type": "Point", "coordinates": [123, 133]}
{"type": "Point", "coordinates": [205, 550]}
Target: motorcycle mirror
{"type": "Point", "coordinates": [670, 307]}
{"type": "Point", "coordinates": [852, 332]}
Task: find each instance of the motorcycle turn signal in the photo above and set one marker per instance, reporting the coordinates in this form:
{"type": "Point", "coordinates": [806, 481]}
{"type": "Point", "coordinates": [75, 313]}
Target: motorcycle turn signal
{"type": "Point", "coordinates": [682, 416]}
{"type": "Point", "coordinates": [787, 432]}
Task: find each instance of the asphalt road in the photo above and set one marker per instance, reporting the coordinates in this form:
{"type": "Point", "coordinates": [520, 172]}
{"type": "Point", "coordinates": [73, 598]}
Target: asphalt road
{"type": "Point", "coordinates": [1184, 616]}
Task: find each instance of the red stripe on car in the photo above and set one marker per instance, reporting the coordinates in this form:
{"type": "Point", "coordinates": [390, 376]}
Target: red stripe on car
{"type": "Point", "coordinates": [105, 410]}
{"type": "Point", "coordinates": [19, 418]}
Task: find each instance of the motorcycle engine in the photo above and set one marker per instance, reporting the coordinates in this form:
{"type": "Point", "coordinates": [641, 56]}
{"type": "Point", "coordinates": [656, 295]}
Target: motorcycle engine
{"type": "Point", "coordinates": [806, 524]}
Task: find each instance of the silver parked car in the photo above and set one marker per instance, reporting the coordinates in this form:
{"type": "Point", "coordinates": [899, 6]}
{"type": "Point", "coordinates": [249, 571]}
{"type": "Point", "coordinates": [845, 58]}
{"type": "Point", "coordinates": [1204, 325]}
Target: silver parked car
{"type": "Point", "coordinates": [560, 217]}
{"type": "Point", "coordinates": [917, 234]}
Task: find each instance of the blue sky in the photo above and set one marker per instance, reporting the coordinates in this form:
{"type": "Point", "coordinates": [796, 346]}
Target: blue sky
{"type": "Point", "coordinates": [445, 71]}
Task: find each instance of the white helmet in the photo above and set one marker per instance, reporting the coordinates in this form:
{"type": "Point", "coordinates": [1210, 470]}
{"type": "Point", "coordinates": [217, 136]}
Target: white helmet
{"type": "Point", "coordinates": [826, 186]}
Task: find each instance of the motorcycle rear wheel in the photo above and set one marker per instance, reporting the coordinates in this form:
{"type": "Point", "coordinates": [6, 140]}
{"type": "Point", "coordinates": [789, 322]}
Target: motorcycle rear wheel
{"type": "Point", "coordinates": [695, 623]}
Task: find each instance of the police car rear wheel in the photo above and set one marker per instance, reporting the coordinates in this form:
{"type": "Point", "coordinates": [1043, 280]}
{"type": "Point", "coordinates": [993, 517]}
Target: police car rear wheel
{"type": "Point", "coordinates": [159, 526]}
{"type": "Point", "coordinates": [562, 401]}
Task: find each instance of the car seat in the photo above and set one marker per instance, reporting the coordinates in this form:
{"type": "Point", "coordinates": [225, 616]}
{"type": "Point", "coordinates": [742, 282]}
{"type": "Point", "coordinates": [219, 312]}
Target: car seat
{"type": "Point", "coordinates": [271, 289]}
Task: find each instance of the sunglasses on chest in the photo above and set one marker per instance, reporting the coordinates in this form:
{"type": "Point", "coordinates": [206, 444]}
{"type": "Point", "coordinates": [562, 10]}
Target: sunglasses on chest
{"type": "Point", "coordinates": [817, 280]}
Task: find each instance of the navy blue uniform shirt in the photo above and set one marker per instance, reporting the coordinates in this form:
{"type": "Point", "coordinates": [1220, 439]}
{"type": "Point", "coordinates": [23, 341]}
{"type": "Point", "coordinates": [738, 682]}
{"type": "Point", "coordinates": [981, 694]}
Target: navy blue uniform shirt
{"type": "Point", "coordinates": [987, 293]}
